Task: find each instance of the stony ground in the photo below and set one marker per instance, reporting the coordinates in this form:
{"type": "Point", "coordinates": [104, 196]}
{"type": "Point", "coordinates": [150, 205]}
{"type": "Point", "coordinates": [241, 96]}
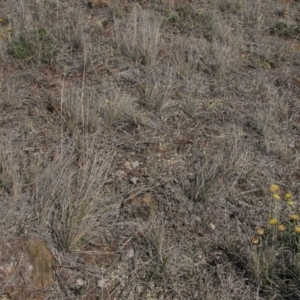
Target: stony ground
{"type": "Point", "coordinates": [138, 144]}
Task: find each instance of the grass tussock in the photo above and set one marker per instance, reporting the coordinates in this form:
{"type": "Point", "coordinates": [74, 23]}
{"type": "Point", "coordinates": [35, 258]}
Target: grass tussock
{"type": "Point", "coordinates": [69, 195]}
{"type": "Point", "coordinates": [138, 36]}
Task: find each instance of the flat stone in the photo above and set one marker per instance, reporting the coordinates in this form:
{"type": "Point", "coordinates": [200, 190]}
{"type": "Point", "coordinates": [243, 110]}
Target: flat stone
{"type": "Point", "coordinates": [42, 261]}
{"type": "Point", "coordinates": [98, 3]}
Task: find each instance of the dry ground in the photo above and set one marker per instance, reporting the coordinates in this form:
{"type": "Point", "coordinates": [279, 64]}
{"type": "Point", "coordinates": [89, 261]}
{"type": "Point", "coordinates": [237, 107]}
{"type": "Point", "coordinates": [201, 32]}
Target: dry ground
{"type": "Point", "coordinates": [138, 143]}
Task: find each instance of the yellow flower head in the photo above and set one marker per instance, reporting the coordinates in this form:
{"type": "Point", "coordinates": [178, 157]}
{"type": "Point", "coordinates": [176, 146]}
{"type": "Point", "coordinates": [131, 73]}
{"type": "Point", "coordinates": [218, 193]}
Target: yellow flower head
{"type": "Point", "coordinates": [297, 229]}
{"type": "Point", "coordinates": [290, 203]}
{"type": "Point", "coordinates": [276, 196]}
{"type": "Point", "coordinates": [274, 188]}
{"type": "Point", "coordinates": [255, 240]}
{"type": "Point", "coordinates": [288, 196]}
{"type": "Point", "coordinates": [281, 228]}
{"type": "Point", "coordinates": [294, 217]}
{"type": "Point", "coordinates": [273, 221]}
{"type": "Point", "coordinates": [260, 231]}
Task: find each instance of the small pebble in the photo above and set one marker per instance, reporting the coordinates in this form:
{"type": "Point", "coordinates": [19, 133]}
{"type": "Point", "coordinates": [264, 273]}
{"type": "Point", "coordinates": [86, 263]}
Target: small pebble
{"type": "Point", "coordinates": [134, 180]}
{"type": "Point", "coordinates": [130, 253]}
{"type": "Point", "coordinates": [79, 282]}
{"type": "Point", "coordinates": [135, 164]}
{"type": "Point", "coordinates": [127, 166]}
{"type": "Point", "coordinates": [120, 174]}
{"type": "Point", "coordinates": [101, 283]}
{"type": "Point", "coordinates": [212, 226]}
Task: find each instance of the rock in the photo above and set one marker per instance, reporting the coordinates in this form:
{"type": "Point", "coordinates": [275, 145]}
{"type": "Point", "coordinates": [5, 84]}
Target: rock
{"type": "Point", "coordinates": [42, 261]}
{"type": "Point", "coordinates": [79, 282]}
{"type": "Point", "coordinates": [134, 180]}
{"type": "Point", "coordinates": [138, 207]}
{"type": "Point", "coordinates": [98, 3]}
{"type": "Point", "coordinates": [120, 174]}
{"type": "Point", "coordinates": [101, 283]}
{"type": "Point", "coordinates": [127, 166]}
{"type": "Point", "coordinates": [130, 253]}
{"type": "Point", "coordinates": [212, 226]}
{"type": "Point", "coordinates": [135, 164]}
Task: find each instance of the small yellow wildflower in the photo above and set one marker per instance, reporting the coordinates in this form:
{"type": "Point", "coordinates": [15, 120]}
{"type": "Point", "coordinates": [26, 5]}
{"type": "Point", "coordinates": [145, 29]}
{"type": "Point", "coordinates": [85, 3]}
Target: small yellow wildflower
{"type": "Point", "coordinates": [260, 231]}
{"type": "Point", "coordinates": [290, 203]}
{"type": "Point", "coordinates": [288, 196]}
{"type": "Point", "coordinates": [276, 196]}
{"type": "Point", "coordinates": [273, 221]}
{"type": "Point", "coordinates": [294, 217]}
{"type": "Point", "coordinates": [255, 240]}
{"type": "Point", "coordinates": [281, 228]}
{"type": "Point", "coordinates": [274, 188]}
{"type": "Point", "coordinates": [297, 229]}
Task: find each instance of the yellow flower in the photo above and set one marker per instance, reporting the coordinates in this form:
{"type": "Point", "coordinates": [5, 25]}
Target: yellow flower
{"type": "Point", "coordinates": [290, 203]}
{"type": "Point", "coordinates": [274, 188]}
{"type": "Point", "coordinates": [294, 217]}
{"type": "Point", "coordinates": [273, 221]}
{"type": "Point", "coordinates": [276, 196]}
{"type": "Point", "coordinates": [288, 196]}
{"type": "Point", "coordinates": [260, 231]}
{"type": "Point", "coordinates": [297, 229]}
{"type": "Point", "coordinates": [255, 240]}
{"type": "Point", "coordinates": [281, 228]}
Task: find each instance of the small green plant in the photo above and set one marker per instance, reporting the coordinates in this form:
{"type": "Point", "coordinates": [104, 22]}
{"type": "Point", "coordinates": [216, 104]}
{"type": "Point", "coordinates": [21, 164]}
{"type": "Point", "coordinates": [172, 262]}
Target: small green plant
{"type": "Point", "coordinates": [171, 16]}
{"type": "Point", "coordinates": [283, 29]}
{"type": "Point", "coordinates": [34, 46]}
{"type": "Point", "coordinates": [21, 50]}
{"type": "Point", "coordinates": [185, 18]}
{"type": "Point", "coordinates": [45, 46]}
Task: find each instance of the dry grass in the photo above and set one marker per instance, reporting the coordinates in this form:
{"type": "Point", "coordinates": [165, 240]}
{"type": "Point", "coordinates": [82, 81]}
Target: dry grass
{"type": "Point", "coordinates": [195, 103]}
{"type": "Point", "coordinates": [69, 194]}
{"type": "Point", "coordinates": [138, 36]}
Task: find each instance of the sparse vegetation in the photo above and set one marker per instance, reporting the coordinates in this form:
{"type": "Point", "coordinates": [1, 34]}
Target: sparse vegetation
{"type": "Point", "coordinates": [284, 29]}
{"type": "Point", "coordinates": [139, 146]}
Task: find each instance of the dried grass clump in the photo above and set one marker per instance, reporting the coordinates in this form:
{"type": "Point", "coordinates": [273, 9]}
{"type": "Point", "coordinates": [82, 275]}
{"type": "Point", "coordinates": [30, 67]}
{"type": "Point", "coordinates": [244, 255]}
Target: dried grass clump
{"type": "Point", "coordinates": [138, 36]}
{"type": "Point", "coordinates": [69, 194]}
